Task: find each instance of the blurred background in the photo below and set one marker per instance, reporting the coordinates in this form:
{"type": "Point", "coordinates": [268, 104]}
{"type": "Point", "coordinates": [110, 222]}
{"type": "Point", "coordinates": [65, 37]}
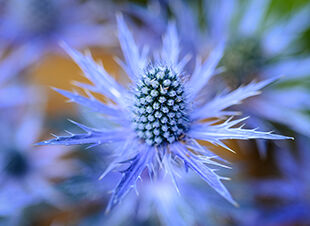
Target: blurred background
{"type": "Point", "coordinates": [59, 185]}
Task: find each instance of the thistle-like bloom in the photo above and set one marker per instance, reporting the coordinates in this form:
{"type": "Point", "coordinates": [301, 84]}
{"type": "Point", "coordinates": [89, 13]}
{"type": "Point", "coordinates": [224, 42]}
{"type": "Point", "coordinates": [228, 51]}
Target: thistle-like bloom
{"type": "Point", "coordinates": [159, 120]}
{"type": "Point", "coordinates": [259, 47]}
{"type": "Point", "coordinates": [26, 172]}
{"type": "Point", "coordinates": [290, 190]}
{"type": "Point", "coordinates": [12, 95]}
{"type": "Point", "coordinates": [30, 29]}
{"type": "Point", "coordinates": [157, 200]}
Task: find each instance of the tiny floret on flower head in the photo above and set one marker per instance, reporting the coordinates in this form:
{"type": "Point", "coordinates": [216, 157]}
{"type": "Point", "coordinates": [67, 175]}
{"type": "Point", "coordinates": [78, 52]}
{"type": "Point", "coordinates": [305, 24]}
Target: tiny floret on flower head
{"type": "Point", "coordinates": [160, 107]}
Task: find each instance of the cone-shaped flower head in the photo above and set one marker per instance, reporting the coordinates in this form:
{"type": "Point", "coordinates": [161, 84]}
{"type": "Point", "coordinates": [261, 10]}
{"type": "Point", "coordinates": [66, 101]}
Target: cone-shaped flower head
{"type": "Point", "coordinates": [160, 115]}
{"type": "Point", "coordinates": [158, 121]}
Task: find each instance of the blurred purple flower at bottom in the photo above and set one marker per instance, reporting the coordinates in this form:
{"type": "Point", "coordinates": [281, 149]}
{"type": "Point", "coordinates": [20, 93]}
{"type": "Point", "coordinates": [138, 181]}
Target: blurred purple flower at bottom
{"type": "Point", "coordinates": [290, 191]}
{"type": "Point", "coordinates": [156, 201]}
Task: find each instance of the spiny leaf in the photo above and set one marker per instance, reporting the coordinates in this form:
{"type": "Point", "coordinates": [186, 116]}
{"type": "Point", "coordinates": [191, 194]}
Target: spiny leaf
{"type": "Point", "coordinates": [130, 176]}
{"type": "Point", "coordinates": [203, 171]}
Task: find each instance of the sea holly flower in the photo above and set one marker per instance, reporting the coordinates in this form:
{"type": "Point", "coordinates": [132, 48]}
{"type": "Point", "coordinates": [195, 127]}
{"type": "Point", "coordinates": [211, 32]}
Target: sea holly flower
{"type": "Point", "coordinates": [260, 47]}
{"type": "Point", "coordinates": [160, 119]}
{"type": "Point", "coordinates": [26, 171]}
{"type": "Point", "coordinates": [15, 96]}
{"type": "Point", "coordinates": [157, 202]}
{"type": "Point", "coordinates": [290, 189]}
{"type": "Point", "coordinates": [33, 28]}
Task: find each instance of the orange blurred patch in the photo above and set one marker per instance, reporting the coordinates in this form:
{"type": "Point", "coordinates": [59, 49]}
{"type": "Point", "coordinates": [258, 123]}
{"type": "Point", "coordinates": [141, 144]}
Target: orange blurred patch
{"type": "Point", "coordinates": [60, 71]}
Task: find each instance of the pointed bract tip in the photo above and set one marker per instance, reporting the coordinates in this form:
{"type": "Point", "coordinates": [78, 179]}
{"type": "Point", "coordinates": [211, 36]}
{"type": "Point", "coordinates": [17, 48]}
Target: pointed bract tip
{"type": "Point", "coordinates": [45, 142]}
{"type": "Point", "coordinates": [236, 204]}
{"type": "Point", "coordinates": [109, 207]}
{"type": "Point", "coordinates": [119, 19]}
{"type": "Point", "coordinates": [40, 143]}
{"type": "Point", "coordinates": [64, 45]}
{"type": "Point", "coordinates": [60, 91]}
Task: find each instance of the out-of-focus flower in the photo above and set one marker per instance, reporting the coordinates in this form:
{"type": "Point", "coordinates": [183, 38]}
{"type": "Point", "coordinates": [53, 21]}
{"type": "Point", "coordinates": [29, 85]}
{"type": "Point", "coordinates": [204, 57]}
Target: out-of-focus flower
{"type": "Point", "coordinates": [14, 95]}
{"type": "Point", "coordinates": [32, 28]}
{"type": "Point", "coordinates": [289, 191]}
{"type": "Point", "coordinates": [148, 21]}
{"type": "Point", "coordinates": [261, 48]}
{"type": "Point", "coordinates": [155, 17]}
{"type": "Point", "coordinates": [158, 121]}
{"type": "Point", "coordinates": [157, 202]}
{"type": "Point", "coordinates": [26, 172]}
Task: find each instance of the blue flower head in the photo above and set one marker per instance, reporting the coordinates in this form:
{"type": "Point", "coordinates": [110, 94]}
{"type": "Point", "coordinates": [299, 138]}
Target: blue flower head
{"type": "Point", "coordinates": [33, 28]}
{"type": "Point", "coordinates": [159, 120]}
{"type": "Point", "coordinates": [158, 201]}
{"type": "Point", "coordinates": [290, 189]}
{"type": "Point", "coordinates": [33, 17]}
{"type": "Point", "coordinates": [45, 20]}
{"type": "Point", "coordinates": [14, 95]}
{"type": "Point", "coordinates": [261, 47]}
{"type": "Point", "coordinates": [26, 172]}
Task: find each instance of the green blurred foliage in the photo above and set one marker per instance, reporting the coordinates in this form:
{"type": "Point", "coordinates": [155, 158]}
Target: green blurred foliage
{"type": "Point", "coordinates": [284, 8]}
